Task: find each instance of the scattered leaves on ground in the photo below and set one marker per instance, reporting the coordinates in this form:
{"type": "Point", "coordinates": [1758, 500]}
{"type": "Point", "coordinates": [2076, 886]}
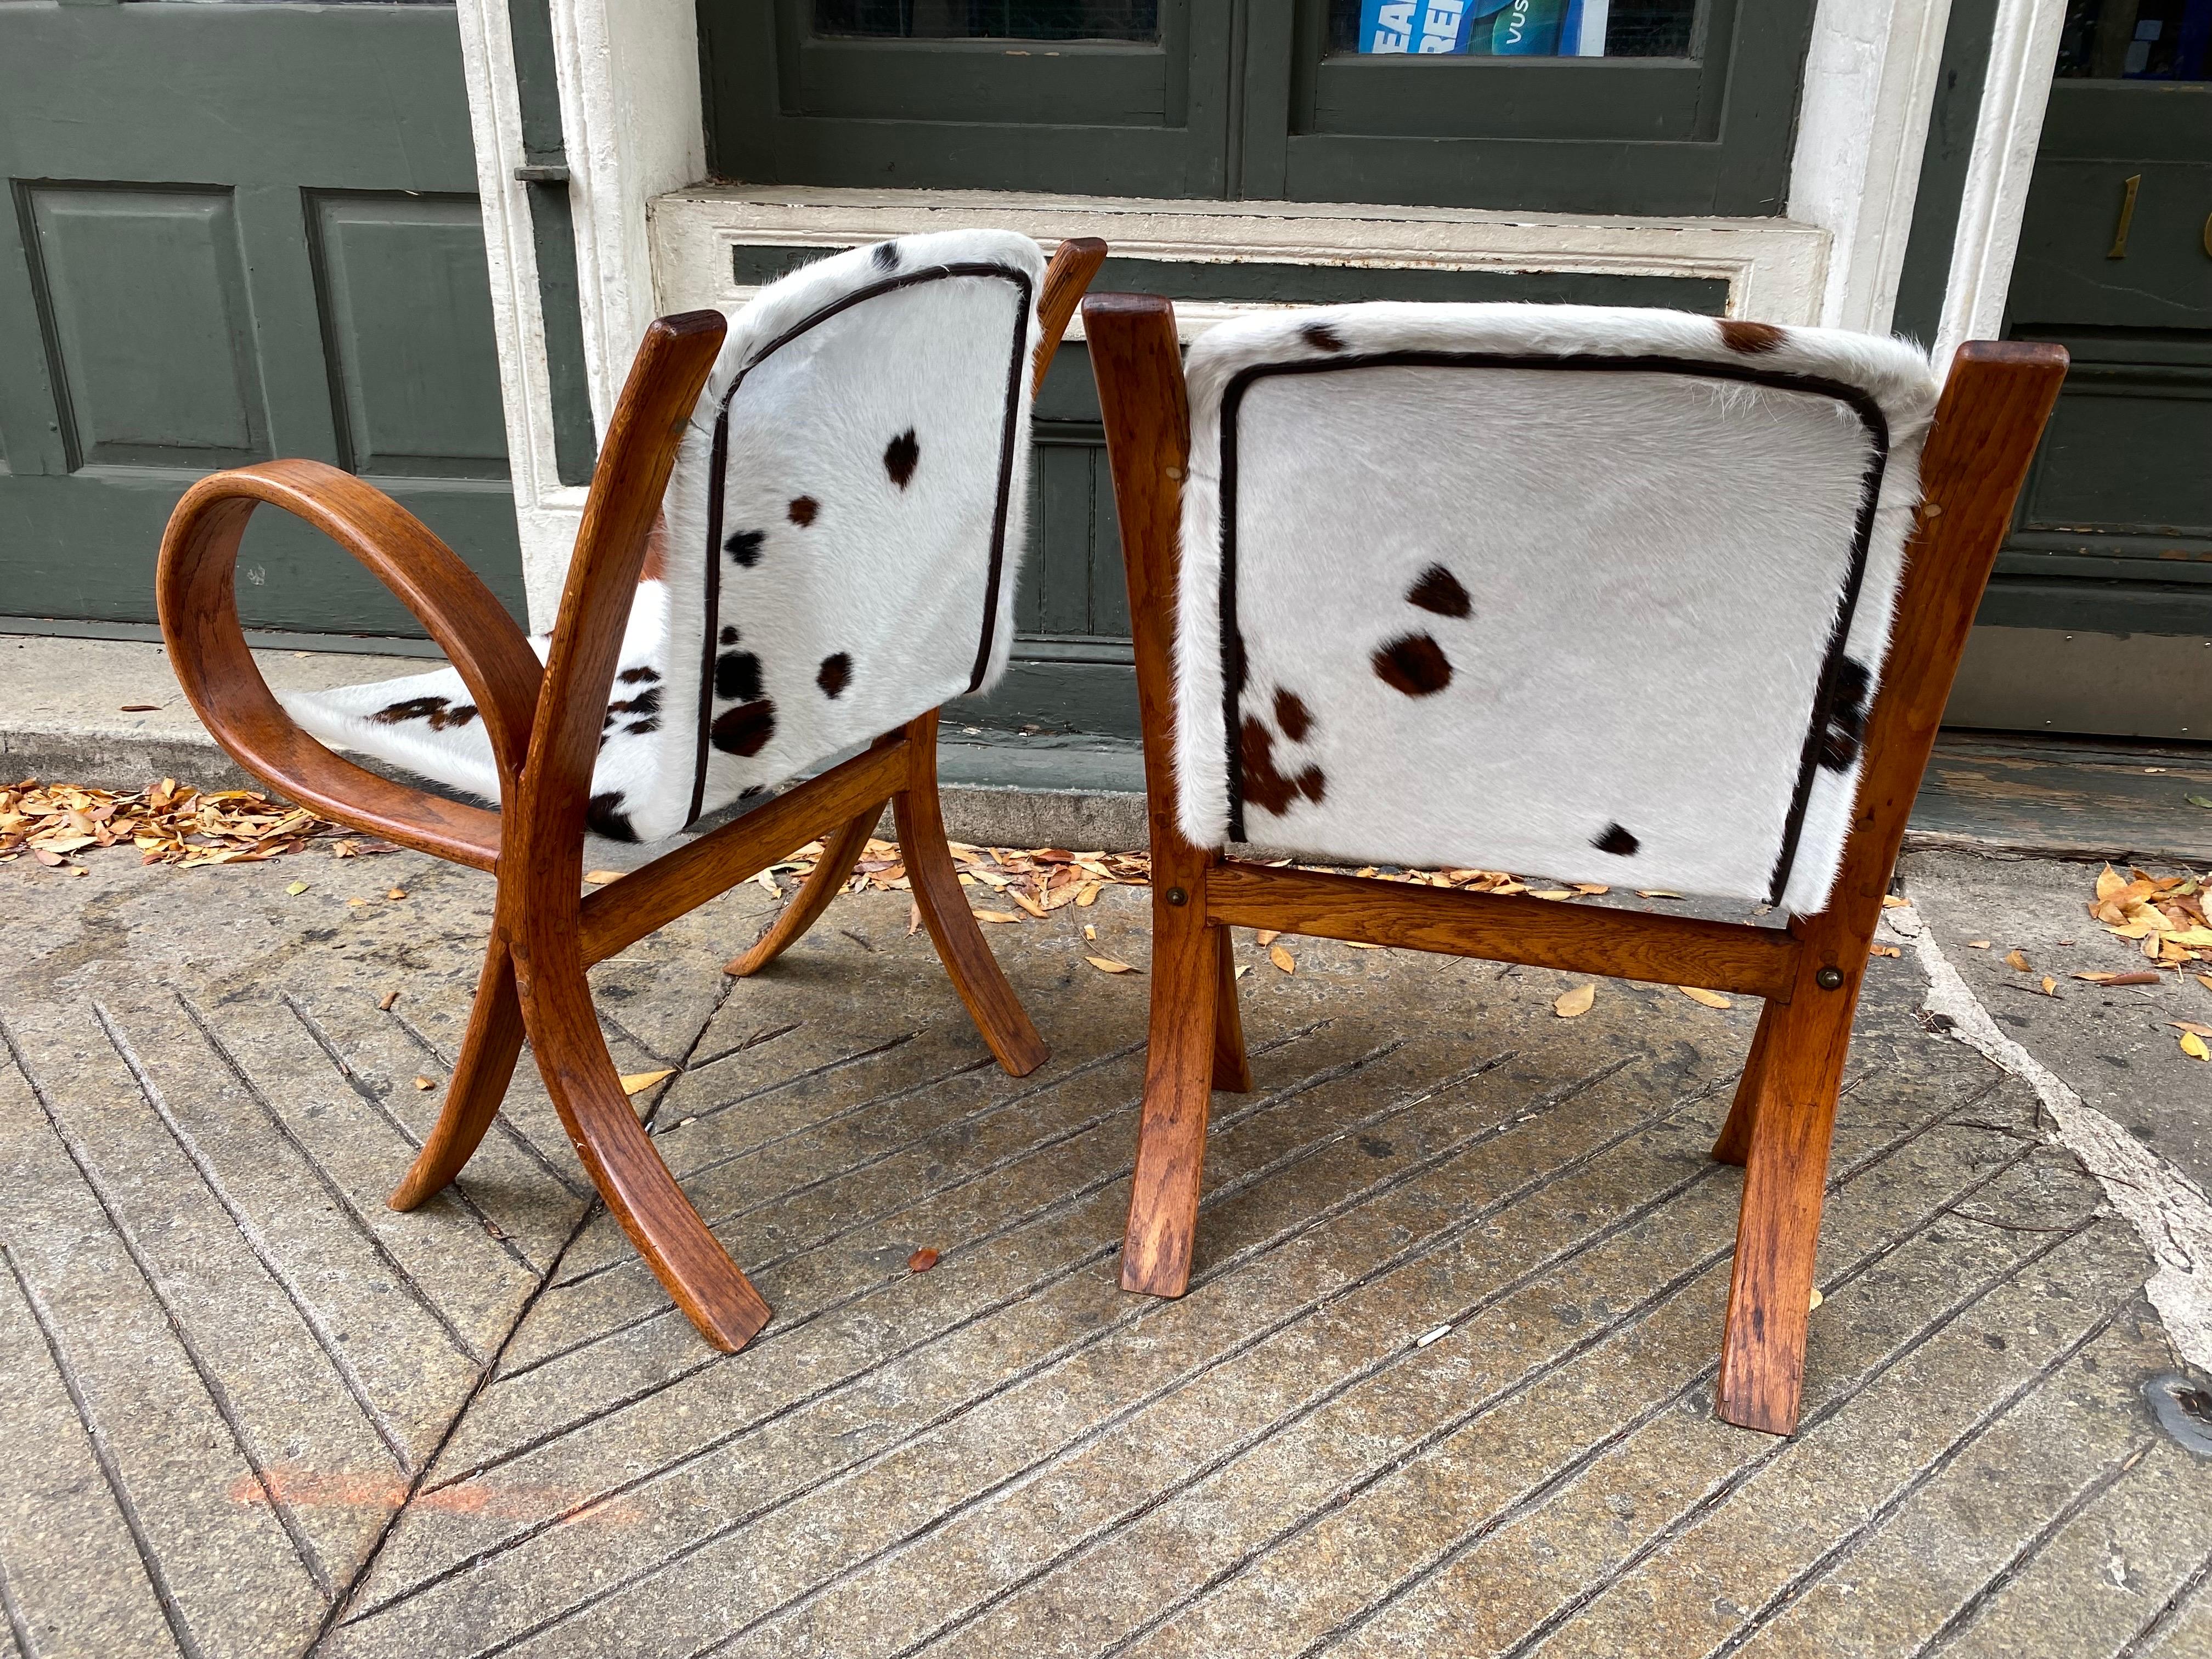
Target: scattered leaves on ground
{"type": "Point", "coordinates": [2165, 915]}
{"type": "Point", "coordinates": [1108, 965]}
{"type": "Point", "coordinates": [921, 1260]}
{"type": "Point", "coordinates": [167, 823]}
{"type": "Point", "coordinates": [1698, 993]}
{"type": "Point", "coordinates": [1573, 1005]}
{"type": "Point", "coordinates": [1282, 959]}
{"type": "Point", "coordinates": [633, 1082]}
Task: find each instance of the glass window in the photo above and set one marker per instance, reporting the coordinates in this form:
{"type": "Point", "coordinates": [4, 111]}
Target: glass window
{"type": "Point", "coordinates": [2136, 40]}
{"type": "Point", "coordinates": [1513, 28]}
{"type": "Point", "coordinates": [990, 20]}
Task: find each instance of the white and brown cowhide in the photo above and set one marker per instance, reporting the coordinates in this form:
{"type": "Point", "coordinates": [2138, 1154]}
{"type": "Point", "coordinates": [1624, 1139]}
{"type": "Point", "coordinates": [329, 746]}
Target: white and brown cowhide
{"type": "Point", "coordinates": [1601, 594]}
{"type": "Point", "coordinates": [837, 551]}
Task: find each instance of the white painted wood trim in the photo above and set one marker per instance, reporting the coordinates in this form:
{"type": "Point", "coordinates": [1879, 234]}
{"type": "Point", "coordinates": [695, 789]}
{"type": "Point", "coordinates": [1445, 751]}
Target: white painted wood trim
{"type": "Point", "coordinates": [1870, 80]}
{"type": "Point", "coordinates": [545, 513]}
{"type": "Point", "coordinates": [2023, 54]}
{"type": "Point", "coordinates": [1775, 268]}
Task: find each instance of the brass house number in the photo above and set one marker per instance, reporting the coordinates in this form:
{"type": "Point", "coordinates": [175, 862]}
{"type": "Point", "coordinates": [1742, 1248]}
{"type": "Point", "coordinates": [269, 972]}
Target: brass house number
{"type": "Point", "coordinates": [2129, 189]}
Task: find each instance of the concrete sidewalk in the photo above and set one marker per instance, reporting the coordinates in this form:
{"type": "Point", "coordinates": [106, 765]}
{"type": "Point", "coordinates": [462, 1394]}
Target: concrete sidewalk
{"type": "Point", "coordinates": [1442, 1384]}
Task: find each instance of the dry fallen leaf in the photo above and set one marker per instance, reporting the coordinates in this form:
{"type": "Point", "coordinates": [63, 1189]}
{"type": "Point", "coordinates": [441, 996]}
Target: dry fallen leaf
{"type": "Point", "coordinates": [296, 889]}
{"type": "Point", "coordinates": [996, 915]}
{"type": "Point", "coordinates": [1977, 944]}
{"type": "Point", "coordinates": [1107, 965]}
{"type": "Point", "coordinates": [766, 881]}
{"type": "Point", "coordinates": [1894, 902]}
{"type": "Point", "coordinates": [140, 707]}
{"type": "Point", "coordinates": [1242, 969]}
{"type": "Point", "coordinates": [633, 1082]}
{"type": "Point", "coordinates": [397, 893]}
{"type": "Point", "coordinates": [921, 1260]}
{"type": "Point", "coordinates": [1573, 1005]}
{"type": "Point", "coordinates": [1553, 893]}
{"type": "Point", "coordinates": [1698, 993]}
{"type": "Point", "coordinates": [2049, 986]}
{"type": "Point", "coordinates": [1884, 951]}
{"type": "Point", "coordinates": [2202, 1030]}
{"type": "Point", "coordinates": [424, 1083]}
{"type": "Point", "coordinates": [2017, 959]}
{"type": "Point", "coordinates": [2205, 979]}
{"type": "Point", "coordinates": [1089, 931]}
{"type": "Point", "coordinates": [1265, 936]}
{"type": "Point", "coordinates": [1282, 959]}
{"type": "Point", "coordinates": [2101, 978]}
{"type": "Point", "coordinates": [2193, 1046]}
{"type": "Point", "coordinates": [1816, 1301]}
{"type": "Point", "coordinates": [913, 917]}
{"type": "Point", "coordinates": [1654, 892]}
{"type": "Point", "coordinates": [601, 877]}
{"type": "Point", "coordinates": [385, 1001]}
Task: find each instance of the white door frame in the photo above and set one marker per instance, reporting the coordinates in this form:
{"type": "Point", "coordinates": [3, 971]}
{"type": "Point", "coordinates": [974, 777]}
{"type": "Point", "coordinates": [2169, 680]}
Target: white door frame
{"type": "Point", "coordinates": [631, 113]}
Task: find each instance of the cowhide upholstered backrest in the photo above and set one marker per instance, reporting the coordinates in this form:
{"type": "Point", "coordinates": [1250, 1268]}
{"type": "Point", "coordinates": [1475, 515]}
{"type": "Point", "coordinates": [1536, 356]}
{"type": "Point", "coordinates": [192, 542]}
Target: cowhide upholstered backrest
{"type": "Point", "coordinates": [1597, 595]}
{"type": "Point", "coordinates": [836, 552]}
{"type": "Point", "coordinates": [844, 526]}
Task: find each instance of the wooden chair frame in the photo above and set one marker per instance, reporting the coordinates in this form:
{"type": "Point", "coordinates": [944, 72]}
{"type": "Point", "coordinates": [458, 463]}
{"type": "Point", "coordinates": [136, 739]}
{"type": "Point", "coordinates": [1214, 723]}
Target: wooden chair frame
{"type": "Point", "coordinates": [1986, 427]}
{"type": "Point", "coordinates": [544, 724]}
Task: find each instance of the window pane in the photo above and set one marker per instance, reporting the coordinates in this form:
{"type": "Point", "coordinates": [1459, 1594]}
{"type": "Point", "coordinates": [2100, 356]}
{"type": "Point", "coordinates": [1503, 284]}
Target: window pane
{"type": "Point", "coordinates": [1514, 28]}
{"type": "Point", "coordinates": [2136, 40]}
{"type": "Point", "coordinates": [990, 20]}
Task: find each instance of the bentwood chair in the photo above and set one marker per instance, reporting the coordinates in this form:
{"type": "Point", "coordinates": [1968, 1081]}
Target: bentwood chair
{"type": "Point", "coordinates": [1613, 596]}
{"type": "Point", "coordinates": [802, 535]}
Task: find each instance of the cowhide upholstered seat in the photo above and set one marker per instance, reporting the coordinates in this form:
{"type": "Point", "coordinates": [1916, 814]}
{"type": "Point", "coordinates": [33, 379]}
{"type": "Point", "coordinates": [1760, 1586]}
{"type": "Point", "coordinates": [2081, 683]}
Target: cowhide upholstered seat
{"type": "Point", "coordinates": [803, 535]}
{"type": "Point", "coordinates": [1635, 597]}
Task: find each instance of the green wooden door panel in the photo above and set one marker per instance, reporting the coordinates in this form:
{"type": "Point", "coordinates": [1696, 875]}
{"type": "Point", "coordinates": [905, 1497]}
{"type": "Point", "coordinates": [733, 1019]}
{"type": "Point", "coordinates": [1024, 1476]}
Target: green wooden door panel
{"type": "Point", "coordinates": [2066, 271]}
{"type": "Point", "coordinates": [406, 306]}
{"type": "Point", "coordinates": [2114, 530]}
{"type": "Point", "coordinates": [1125, 119]}
{"type": "Point", "coordinates": [239, 231]}
{"type": "Point", "coordinates": [166, 385]}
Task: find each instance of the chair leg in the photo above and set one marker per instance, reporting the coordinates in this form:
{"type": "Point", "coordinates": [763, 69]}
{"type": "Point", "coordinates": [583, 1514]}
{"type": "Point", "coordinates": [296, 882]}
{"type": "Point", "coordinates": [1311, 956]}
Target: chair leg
{"type": "Point", "coordinates": [1734, 1140]}
{"type": "Point", "coordinates": [1179, 1071]}
{"type": "Point", "coordinates": [479, 1082]}
{"type": "Point", "coordinates": [1778, 1228]}
{"type": "Point", "coordinates": [623, 1161]}
{"type": "Point", "coordinates": [805, 908]}
{"type": "Point", "coordinates": [1232, 1071]}
{"type": "Point", "coordinates": [974, 972]}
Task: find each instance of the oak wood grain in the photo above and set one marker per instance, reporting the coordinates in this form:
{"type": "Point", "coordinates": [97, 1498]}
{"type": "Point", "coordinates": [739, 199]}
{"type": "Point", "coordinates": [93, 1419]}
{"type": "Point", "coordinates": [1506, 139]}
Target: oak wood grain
{"type": "Point", "coordinates": [1137, 363]}
{"type": "Point", "coordinates": [1506, 928]}
{"type": "Point", "coordinates": [1986, 428]}
{"type": "Point", "coordinates": [1074, 263]}
{"type": "Point", "coordinates": [974, 972]}
{"type": "Point", "coordinates": [841, 849]}
{"type": "Point", "coordinates": [196, 593]}
{"type": "Point", "coordinates": [678, 883]}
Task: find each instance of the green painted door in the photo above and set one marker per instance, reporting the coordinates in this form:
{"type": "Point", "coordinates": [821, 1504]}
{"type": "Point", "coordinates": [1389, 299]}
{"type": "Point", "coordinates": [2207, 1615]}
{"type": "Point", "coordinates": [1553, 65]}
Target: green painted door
{"type": "Point", "coordinates": [2115, 532]}
{"type": "Point", "coordinates": [238, 231]}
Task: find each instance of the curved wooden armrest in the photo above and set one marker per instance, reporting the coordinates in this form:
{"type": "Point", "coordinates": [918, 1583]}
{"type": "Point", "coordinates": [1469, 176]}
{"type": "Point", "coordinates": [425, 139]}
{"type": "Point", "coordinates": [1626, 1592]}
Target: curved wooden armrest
{"type": "Point", "coordinates": [196, 592]}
